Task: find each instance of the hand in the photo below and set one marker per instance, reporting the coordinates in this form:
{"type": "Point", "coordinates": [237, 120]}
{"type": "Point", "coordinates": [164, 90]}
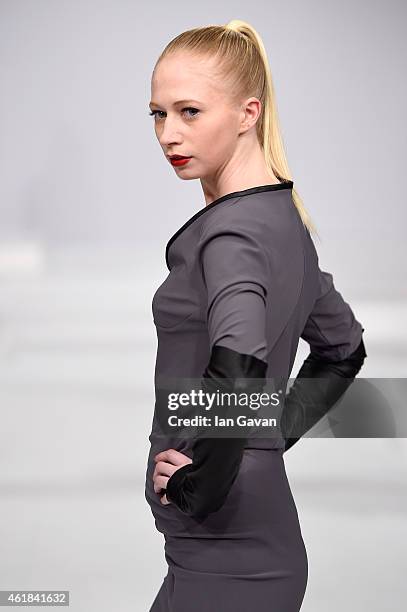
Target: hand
{"type": "Point", "coordinates": [167, 462]}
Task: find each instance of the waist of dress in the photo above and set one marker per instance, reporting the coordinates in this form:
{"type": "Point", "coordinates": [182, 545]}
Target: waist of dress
{"type": "Point", "coordinates": [182, 444]}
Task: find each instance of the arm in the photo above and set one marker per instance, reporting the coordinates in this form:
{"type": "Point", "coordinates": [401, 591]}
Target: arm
{"type": "Point", "coordinates": [309, 400]}
{"type": "Point", "coordinates": [201, 487]}
{"type": "Point", "coordinates": [336, 357]}
{"type": "Point", "coordinates": [235, 273]}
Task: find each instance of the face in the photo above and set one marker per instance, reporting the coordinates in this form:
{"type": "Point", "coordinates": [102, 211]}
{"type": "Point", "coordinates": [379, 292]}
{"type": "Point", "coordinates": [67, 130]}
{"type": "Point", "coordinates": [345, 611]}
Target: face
{"type": "Point", "coordinates": [193, 115]}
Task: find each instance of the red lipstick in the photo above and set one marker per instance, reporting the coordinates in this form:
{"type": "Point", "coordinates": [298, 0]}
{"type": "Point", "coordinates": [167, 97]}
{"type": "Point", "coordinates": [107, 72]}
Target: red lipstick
{"type": "Point", "coordinates": [177, 160]}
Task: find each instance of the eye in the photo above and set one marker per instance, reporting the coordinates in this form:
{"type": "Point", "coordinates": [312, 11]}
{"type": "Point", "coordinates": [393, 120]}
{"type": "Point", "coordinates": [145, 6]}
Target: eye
{"type": "Point", "coordinates": [154, 112]}
{"type": "Point", "coordinates": [195, 111]}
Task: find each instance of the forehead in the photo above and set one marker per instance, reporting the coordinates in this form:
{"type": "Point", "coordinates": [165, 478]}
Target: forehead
{"type": "Point", "coordinates": [184, 76]}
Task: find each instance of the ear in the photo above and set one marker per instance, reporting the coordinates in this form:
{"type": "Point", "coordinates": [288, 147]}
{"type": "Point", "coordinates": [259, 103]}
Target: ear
{"type": "Point", "coordinates": [251, 110]}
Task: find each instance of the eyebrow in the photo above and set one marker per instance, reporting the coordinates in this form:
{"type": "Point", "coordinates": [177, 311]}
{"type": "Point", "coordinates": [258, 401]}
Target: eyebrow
{"type": "Point", "coordinates": [178, 102]}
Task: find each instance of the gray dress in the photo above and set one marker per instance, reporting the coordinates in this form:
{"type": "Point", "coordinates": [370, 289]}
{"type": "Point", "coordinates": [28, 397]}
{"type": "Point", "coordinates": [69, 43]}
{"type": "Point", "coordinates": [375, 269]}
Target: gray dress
{"type": "Point", "coordinates": [244, 285]}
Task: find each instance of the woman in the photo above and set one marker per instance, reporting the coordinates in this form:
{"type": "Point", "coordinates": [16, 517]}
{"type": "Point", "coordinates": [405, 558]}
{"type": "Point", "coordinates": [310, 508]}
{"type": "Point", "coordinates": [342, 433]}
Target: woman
{"type": "Point", "coordinates": [244, 286]}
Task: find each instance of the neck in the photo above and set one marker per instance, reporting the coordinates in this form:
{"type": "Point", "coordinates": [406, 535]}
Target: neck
{"type": "Point", "coordinates": [241, 172]}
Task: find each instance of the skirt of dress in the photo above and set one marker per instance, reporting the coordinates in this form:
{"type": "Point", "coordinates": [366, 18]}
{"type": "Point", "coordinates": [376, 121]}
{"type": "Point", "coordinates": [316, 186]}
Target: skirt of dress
{"type": "Point", "coordinates": [249, 555]}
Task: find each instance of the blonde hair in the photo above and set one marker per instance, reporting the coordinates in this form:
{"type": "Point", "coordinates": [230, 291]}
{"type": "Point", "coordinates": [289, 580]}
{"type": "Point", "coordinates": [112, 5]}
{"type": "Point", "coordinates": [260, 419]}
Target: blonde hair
{"type": "Point", "coordinates": [245, 71]}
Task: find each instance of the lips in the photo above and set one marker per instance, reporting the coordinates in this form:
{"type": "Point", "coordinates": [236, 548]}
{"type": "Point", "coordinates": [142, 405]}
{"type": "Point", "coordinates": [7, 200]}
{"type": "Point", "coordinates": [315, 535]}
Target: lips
{"type": "Point", "coordinates": [179, 160]}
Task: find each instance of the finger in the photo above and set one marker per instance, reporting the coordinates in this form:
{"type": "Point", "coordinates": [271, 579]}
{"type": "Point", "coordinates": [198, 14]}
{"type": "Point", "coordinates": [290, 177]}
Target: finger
{"type": "Point", "coordinates": [163, 468]}
{"type": "Point", "coordinates": [160, 483]}
{"type": "Point", "coordinates": [164, 500]}
{"type": "Point", "coordinates": [164, 455]}
{"type": "Point", "coordinates": [173, 456]}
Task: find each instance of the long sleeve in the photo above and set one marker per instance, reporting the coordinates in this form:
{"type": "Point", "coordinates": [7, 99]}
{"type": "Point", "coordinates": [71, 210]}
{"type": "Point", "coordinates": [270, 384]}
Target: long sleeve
{"type": "Point", "coordinates": [235, 271]}
{"type": "Point", "coordinates": [336, 357]}
{"type": "Point", "coordinates": [316, 389]}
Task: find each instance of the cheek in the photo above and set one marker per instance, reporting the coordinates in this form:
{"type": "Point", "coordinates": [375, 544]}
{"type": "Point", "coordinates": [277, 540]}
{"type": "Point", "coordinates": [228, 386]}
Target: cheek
{"type": "Point", "coordinates": [217, 139]}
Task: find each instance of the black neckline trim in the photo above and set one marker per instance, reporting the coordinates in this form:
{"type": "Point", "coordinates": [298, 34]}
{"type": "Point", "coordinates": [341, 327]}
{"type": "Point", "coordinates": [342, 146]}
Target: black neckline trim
{"type": "Point", "coordinates": [227, 196]}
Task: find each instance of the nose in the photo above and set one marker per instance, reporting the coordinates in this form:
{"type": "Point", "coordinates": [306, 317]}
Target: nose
{"type": "Point", "coordinates": [168, 133]}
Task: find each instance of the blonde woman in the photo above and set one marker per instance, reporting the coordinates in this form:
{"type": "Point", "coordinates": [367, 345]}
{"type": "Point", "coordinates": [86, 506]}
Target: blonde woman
{"type": "Point", "coordinates": [244, 285]}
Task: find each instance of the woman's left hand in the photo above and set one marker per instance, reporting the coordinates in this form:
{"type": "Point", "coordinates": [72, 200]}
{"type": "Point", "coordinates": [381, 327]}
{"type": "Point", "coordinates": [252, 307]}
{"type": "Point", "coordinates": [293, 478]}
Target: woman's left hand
{"type": "Point", "coordinates": [167, 462]}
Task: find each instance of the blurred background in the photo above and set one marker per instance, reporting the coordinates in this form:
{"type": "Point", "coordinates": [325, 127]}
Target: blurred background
{"type": "Point", "coordinates": [87, 204]}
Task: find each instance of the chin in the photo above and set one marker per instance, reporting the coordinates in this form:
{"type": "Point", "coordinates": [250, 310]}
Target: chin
{"type": "Point", "coordinates": [190, 177]}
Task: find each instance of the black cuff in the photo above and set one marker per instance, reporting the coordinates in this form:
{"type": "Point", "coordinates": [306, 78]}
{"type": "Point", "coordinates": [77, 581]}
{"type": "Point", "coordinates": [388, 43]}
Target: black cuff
{"type": "Point", "coordinates": [306, 402]}
{"type": "Point", "coordinates": [174, 485]}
